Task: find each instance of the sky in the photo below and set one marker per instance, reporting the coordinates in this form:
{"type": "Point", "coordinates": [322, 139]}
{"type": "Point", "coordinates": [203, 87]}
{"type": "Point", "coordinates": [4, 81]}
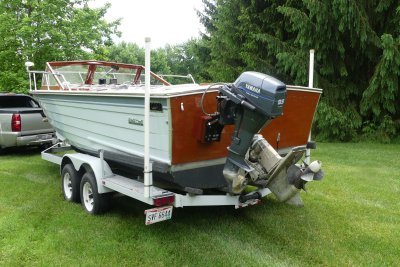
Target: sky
{"type": "Point", "coordinates": [164, 21]}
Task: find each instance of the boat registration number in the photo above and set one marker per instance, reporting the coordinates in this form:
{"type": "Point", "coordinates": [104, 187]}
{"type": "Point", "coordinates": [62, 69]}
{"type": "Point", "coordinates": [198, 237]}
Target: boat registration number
{"type": "Point", "coordinates": [158, 214]}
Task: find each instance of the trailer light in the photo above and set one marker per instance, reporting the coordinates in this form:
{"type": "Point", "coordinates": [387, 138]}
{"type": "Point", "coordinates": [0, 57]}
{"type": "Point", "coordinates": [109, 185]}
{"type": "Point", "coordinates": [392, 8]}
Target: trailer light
{"type": "Point", "coordinates": [16, 123]}
{"type": "Point", "coordinates": [163, 200]}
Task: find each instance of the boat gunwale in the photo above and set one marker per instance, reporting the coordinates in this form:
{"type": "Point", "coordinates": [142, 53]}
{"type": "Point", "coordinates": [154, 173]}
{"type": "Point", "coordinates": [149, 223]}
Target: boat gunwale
{"type": "Point", "coordinates": [140, 94]}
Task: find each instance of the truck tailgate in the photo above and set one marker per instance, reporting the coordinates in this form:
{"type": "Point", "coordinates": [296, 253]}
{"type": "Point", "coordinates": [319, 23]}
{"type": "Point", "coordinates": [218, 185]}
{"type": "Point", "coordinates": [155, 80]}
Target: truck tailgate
{"type": "Point", "coordinates": [33, 121]}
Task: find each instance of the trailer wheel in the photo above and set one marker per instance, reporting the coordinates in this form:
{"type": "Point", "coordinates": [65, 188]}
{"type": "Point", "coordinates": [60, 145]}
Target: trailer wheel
{"type": "Point", "coordinates": [92, 201]}
{"type": "Point", "coordinates": [70, 183]}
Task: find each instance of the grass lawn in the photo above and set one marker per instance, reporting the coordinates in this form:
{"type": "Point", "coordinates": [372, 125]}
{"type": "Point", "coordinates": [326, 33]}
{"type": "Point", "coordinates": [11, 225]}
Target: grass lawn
{"type": "Point", "coordinates": [351, 218]}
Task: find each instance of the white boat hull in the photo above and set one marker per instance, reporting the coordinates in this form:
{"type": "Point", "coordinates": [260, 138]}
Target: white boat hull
{"type": "Point", "coordinates": [110, 123]}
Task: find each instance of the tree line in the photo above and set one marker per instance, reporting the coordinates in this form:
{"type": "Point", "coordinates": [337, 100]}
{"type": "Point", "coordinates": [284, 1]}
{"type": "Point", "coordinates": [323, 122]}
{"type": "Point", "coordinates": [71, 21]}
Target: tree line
{"type": "Point", "coordinates": [357, 43]}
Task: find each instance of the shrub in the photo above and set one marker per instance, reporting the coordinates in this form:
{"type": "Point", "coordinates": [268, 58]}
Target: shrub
{"type": "Point", "coordinates": [334, 124]}
{"type": "Point", "coordinates": [382, 132]}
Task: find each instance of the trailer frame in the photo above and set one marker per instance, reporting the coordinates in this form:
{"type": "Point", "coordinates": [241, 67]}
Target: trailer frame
{"type": "Point", "coordinates": [107, 182]}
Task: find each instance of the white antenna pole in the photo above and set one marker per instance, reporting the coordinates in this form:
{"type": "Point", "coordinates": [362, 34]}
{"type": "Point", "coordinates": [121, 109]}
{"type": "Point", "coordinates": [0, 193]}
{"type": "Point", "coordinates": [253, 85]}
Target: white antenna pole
{"type": "Point", "coordinates": [310, 85]}
{"type": "Point", "coordinates": [147, 166]}
{"type": "Point", "coordinates": [311, 70]}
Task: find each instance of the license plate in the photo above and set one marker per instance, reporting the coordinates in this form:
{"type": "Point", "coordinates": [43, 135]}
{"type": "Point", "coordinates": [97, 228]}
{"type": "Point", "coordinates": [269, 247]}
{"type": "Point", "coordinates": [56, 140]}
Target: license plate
{"type": "Point", "coordinates": [158, 214]}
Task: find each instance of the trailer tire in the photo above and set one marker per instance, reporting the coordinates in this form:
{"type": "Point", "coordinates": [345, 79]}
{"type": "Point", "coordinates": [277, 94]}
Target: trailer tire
{"type": "Point", "coordinates": [92, 201]}
{"type": "Point", "coordinates": [70, 184]}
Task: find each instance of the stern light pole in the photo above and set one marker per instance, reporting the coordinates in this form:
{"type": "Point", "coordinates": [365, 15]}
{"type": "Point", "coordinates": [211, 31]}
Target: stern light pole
{"type": "Point", "coordinates": [310, 85]}
{"type": "Point", "coordinates": [148, 178]}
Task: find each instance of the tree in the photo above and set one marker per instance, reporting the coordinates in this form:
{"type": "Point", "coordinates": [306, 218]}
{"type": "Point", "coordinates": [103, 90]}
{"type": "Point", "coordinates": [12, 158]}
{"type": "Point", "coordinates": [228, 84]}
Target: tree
{"type": "Point", "coordinates": [190, 57]}
{"type": "Point", "coordinates": [50, 30]}
{"type": "Point", "coordinates": [133, 54]}
{"type": "Point", "coordinates": [357, 46]}
{"type": "Point", "coordinates": [126, 53]}
{"type": "Point", "coordinates": [181, 59]}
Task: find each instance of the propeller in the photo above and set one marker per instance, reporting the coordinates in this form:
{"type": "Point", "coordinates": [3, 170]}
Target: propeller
{"type": "Point", "coordinates": [313, 172]}
{"type": "Point", "coordinates": [300, 175]}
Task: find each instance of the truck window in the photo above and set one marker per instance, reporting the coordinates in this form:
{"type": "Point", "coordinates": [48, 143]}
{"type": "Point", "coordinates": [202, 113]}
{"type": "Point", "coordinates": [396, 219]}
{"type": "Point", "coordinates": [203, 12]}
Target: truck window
{"type": "Point", "coordinates": [17, 102]}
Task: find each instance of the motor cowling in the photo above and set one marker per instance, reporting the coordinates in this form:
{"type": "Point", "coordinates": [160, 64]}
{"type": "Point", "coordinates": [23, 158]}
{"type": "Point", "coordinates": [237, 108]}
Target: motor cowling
{"type": "Point", "coordinates": [249, 103]}
{"type": "Point", "coordinates": [264, 92]}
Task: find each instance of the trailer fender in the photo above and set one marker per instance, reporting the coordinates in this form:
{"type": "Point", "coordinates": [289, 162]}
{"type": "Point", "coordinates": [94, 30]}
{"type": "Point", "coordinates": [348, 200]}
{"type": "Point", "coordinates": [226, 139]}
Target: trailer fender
{"type": "Point", "coordinates": [91, 164]}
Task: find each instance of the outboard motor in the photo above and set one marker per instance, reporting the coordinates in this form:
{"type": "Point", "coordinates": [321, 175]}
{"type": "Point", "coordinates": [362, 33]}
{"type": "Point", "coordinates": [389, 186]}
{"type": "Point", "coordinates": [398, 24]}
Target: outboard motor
{"type": "Point", "coordinates": [250, 103]}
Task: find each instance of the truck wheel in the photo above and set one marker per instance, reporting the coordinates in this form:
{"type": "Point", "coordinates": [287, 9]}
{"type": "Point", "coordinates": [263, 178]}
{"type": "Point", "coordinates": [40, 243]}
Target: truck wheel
{"type": "Point", "coordinates": [92, 201]}
{"type": "Point", "coordinates": [70, 183]}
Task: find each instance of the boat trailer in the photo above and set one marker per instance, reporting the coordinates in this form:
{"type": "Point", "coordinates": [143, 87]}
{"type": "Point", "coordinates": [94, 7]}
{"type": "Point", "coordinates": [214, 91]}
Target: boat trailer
{"type": "Point", "coordinates": [101, 181]}
{"type": "Point", "coordinates": [90, 180]}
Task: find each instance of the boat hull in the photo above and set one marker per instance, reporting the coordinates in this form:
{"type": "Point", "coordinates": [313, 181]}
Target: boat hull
{"type": "Point", "coordinates": [92, 121]}
{"type": "Point", "coordinates": [284, 132]}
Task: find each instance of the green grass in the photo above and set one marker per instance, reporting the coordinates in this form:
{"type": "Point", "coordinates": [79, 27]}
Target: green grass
{"type": "Point", "coordinates": [350, 218]}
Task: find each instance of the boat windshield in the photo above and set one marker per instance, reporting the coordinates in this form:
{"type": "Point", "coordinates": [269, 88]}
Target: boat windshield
{"type": "Point", "coordinates": [95, 74]}
{"type": "Point", "coordinates": [78, 74]}
{"type": "Point", "coordinates": [99, 75]}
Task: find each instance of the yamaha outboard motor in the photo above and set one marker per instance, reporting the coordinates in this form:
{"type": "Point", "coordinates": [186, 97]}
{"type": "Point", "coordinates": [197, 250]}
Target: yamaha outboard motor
{"type": "Point", "coordinates": [250, 103]}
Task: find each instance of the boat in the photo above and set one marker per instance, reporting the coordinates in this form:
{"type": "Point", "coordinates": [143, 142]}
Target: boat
{"type": "Point", "coordinates": [98, 106]}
